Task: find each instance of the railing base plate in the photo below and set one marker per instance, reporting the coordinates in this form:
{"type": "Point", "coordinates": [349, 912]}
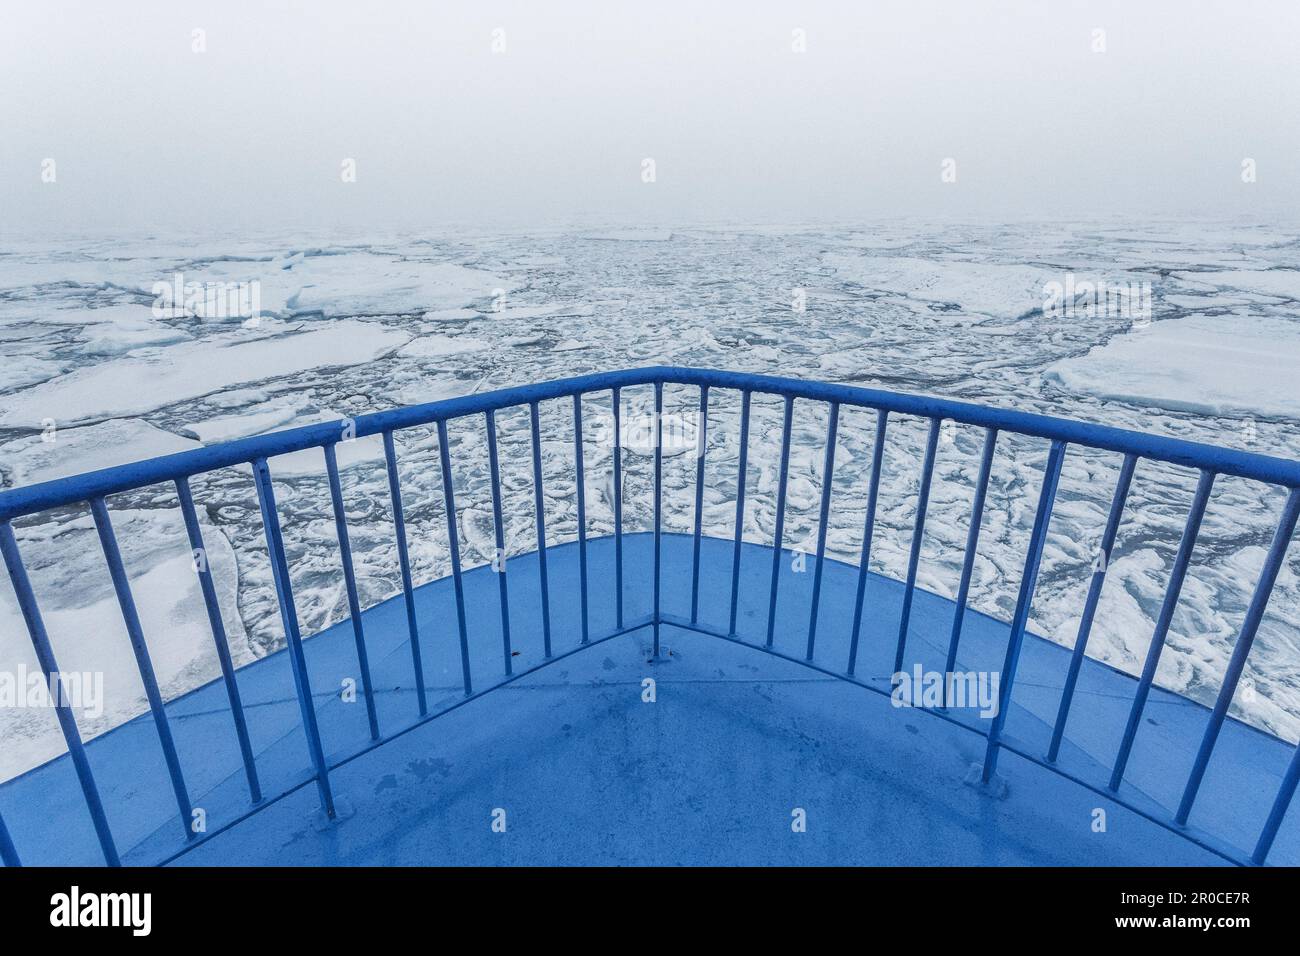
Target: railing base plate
{"type": "Point", "coordinates": [996, 786]}
{"type": "Point", "coordinates": [343, 810]}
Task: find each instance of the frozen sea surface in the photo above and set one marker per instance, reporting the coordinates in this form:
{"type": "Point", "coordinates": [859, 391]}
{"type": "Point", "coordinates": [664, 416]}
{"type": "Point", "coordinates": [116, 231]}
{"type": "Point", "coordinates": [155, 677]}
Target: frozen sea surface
{"type": "Point", "coordinates": [353, 326]}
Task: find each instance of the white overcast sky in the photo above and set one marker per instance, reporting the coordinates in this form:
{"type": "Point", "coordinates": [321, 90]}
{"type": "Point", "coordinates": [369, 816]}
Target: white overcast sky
{"type": "Point", "coordinates": [146, 133]}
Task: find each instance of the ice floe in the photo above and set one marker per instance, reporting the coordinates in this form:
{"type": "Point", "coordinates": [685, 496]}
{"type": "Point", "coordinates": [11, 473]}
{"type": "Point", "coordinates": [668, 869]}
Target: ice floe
{"type": "Point", "coordinates": [121, 329]}
{"type": "Point", "coordinates": [252, 422]}
{"type": "Point", "coordinates": [959, 291]}
{"type": "Point", "coordinates": [70, 451]}
{"type": "Point", "coordinates": [945, 309]}
{"type": "Point", "coordinates": [136, 384]}
{"type": "Point", "coordinates": [435, 346]}
{"type": "Point", "coordinates": [1225, 365]}
{"type": "Point", "coordinates": [1283, 283]}
{"type": "Point", "coordinates": [363, 284]}
{"type": "Point", "coordinates": [85, 623]}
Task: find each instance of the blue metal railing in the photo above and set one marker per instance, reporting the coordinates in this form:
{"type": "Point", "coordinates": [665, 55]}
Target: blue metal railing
{"type": "Point", "coordinates": [1209, 461]}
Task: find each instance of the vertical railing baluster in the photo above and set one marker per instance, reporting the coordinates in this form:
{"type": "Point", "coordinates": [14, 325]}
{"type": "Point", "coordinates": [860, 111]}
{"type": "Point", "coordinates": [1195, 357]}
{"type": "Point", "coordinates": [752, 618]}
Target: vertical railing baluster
{"type": "Point", "coordinates": [1249, 627]}
{"type": "Point", "coordinates": [289, 619]}
{"type": "Point", "coordinates": [1285, 793]}
{"type": "Point", "coordinates": [8, 853]}
{"type": "Point", "coordinates": [659, 503]}
{"type": "Point", "coordinates": [828, 474]}
{"type": "Point", "coordinates": [218, 626]}
{"type": "Point", "coordinates": [580, 472]}
{"type": "Point", "coordinates": [972, 545]}
{"type": "Point", "coordinates": [778, 535]}
{"type": "Point", "coordinates": [740, 507]}
{"type": "Point", "coordinates": [1090, 604]}
{"type": "Point", "coordinates": [350, 585]}
{"type": "Point", "coordinates": [1203, 487]}
{"type": "Point", "coordinates": [453, 544]}
{"type": "Point", "coordinates": [404, 563]}
{"type": "Point", "coordinates": [131, 618]}
{"type": "Point", "coordinates": [50, 668]}
{"type": "Point", "coordinates": [1025, 600]}
{"type": "Point", "coordinates": [616, 400]}
{"type": "Point", "coordinates": [499, 559]}
{"type": "Point", "coordinates": [918, 535]}
{"type": "Point", "coordinates": [868, 529]}
{"type": "Point", "coordinates": [702, 438]}
{"type": "Point", "coordinates": [539, 502]}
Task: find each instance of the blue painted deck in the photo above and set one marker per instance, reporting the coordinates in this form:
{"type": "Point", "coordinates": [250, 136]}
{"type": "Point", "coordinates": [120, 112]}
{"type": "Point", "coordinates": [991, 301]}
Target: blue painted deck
{"type": "Point", "coordinates": [709, 773]}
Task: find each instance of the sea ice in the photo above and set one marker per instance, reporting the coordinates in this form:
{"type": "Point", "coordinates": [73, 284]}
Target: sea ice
{"type": "Point", "coordinates": [24, 370]}
{"type": "Point", "coordinates": [137, 384]}
{"type": "Point", "coordinates": [435, 346]}
{"type": "Point", "coordinates": [1224, 365]}
{"type": "Point", "coordinates": [71, 451]}
{"type": "Point", "coordinates": [85, 623]}
{"type": "Point", "coordinates": [126, 328]}
{"type": "Point", "coordinates": [364, 284]}
{"type": "Point", "coordinates": [1284, 283]}
{"type": "Point", "coordinates": [630, 235]}
{"type": "Point", "coordinates": [452, 315]}
{"type": "Point", "coordinates": [918, 307]}
{"type": "Point", "coordinates": [250, 422]}
{"type": "Point", "coordinates": [310, 462]}
{"type": "Point", "coordinates": [980, 290]}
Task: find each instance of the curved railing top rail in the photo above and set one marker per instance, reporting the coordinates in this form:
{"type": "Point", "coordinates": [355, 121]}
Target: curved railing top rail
{"type": "Point", "coordinates": [17, 502]}
{"type": "Point", "coordinates": [1211, 461]}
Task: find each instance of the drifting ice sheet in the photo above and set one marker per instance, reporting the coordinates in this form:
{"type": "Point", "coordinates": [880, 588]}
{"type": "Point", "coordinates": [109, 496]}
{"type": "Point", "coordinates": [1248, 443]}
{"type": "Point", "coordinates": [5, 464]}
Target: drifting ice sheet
{"type": "Point", "coordinates": [363, 284]}
{"type": "Point", "coordinates": [1234, 365]}
{"type": "Point", "coordinates": [85, 623]}
{"type": "Point", "coordinates": [980, 289]}
{"type": "Point", "coordinates": [76, 450]}
{"type": "Point", "coordinates": [142, 383]}
{"type": "Point", "coordinates": [1275, 282]}
{"type": "Point", "coordinates": [125, 328]}
{"type": "Point", "coordinates": [436, 346]}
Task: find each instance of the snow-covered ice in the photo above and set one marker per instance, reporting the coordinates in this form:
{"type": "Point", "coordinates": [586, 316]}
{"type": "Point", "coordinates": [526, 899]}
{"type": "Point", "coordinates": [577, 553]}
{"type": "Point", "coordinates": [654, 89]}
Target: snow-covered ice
{"type": "Point", "coordinates": [970, 291]}
{"type": "Point", "coordinates": [120, 329]}
{"type": "Point", "coordinates": [362, 284]}
{"type": "Point", "coordinates": [359, 324]}
{"type": "Point", "coordinates": [1283, 283]}
{"type": "Point", "coordinates": [1233, 365]}
{"type": "Point", "coordinates": [437, 346]}
{"type": "Point", "coordinates": [144, 382]}
{"type": "Point", "coordinates": [71, 451]}
{"type": "Point", "coordinates": [86, 629]}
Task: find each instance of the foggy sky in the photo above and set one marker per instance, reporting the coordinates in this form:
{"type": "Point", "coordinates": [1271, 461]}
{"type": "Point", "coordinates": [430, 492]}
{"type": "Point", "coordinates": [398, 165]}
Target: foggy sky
{"type": "Point", "coordinates": [148, 134]}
